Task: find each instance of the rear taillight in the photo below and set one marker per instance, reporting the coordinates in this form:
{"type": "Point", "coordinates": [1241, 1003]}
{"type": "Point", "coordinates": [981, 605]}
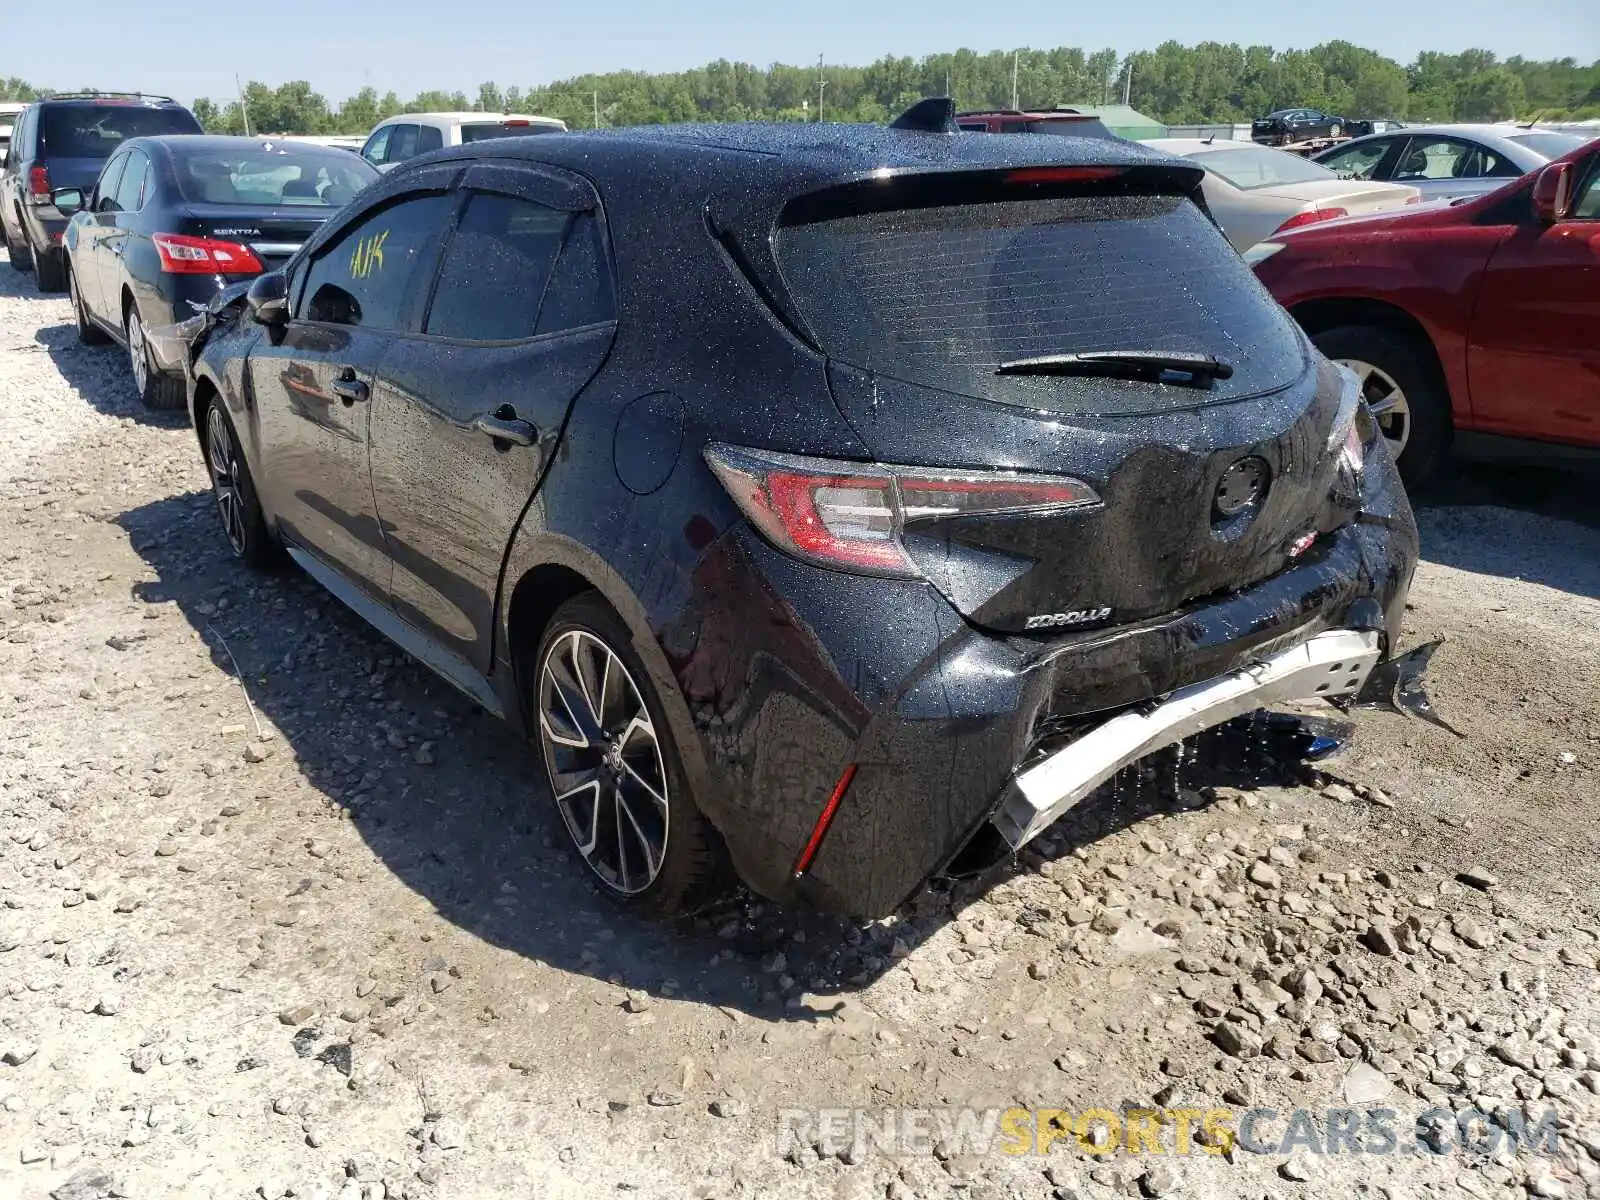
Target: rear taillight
{"type": "Point", "coordinates": [1063, 174]}
{"type": "Point", "coordinates": [1310, 217]}
{"type": "Point", "coordinates": [850, 516]}
{"type": "Point", "coordinates": [182, 254]}
{"type": "Point", "coordinates": [39, 184]}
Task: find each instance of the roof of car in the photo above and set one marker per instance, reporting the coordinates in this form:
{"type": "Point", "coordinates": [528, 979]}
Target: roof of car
{"type": "Point", "coordinates": [117, 99]}
{"type": "Point", "coordinates": [219, 142]}
{"type": "Point", "coordinates": [462, 116]}
{"type": "Point", "coordinates": [779, 151]}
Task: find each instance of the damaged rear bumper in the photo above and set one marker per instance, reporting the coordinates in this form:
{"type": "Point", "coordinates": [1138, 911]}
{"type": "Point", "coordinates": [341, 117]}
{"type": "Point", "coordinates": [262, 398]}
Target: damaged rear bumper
{"type": "Point", "coordinates": [1328, 666]}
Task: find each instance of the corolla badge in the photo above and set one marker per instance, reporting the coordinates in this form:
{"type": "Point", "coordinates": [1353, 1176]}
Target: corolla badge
{"type": "Point", "coordinates": [1079, 616]}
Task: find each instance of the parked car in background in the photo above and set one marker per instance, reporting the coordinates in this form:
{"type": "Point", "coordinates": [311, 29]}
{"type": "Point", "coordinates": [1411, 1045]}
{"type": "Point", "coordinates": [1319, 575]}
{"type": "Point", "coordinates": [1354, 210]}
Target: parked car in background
{"type": "Point", "coordinates": [172, 219]}
{"type": "Point", "coordinates": [1289, 125]}
{"type": "Point", "coordinates": [977, 468]}
{"type": "Point", "coordinates": [1447, 162]}
{"type": "Point", "coordinates": [1257, 191]}
{"type": "Point", "coordinates": [411, 134]}
{"type": "Point", "coordinates": [1473, 324]}
{"type": "Point", "coordinates": [1010, 120]}
{"type": "Point", "coordinates": [62, 142]}
{"type": "Point", "coordinates": [10, 110]}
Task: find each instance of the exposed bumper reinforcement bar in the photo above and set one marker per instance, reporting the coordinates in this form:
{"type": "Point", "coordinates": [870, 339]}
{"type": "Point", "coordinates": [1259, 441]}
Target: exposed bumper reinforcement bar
{"type": "Point", "coordinates": [1328, 666]}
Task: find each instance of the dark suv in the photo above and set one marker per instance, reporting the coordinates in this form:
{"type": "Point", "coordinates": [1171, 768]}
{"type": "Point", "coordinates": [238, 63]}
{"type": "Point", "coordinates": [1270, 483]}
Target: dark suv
{"type": "Point", "coordinates": [846, 503]}
{"type": "Point", "coordinates": [62, 142]}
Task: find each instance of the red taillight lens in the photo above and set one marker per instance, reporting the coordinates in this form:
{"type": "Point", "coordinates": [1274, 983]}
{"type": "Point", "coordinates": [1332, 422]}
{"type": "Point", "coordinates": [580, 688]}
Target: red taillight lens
{"type": "Point", "coordinates": [1311, 216]}
{"type": "Point", "coordinates": [182, 254]}
{"type": "Point", "coordinates": [39, 182]}
{"type": "Point", "coordinates": [850, 516]}
{"type": "Point", "coordinates": [1063, 174]}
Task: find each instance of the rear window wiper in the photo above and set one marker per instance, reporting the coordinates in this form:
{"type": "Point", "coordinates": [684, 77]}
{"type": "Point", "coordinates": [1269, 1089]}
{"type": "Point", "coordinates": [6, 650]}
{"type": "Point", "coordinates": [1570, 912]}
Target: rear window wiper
{"type": "Point", "coordinates": [1150, 366]}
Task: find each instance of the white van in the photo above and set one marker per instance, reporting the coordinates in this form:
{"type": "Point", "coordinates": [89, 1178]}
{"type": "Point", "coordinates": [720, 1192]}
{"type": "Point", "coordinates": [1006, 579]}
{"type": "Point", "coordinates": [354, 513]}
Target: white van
{"type": "Point", "coordinates": [409, 134]}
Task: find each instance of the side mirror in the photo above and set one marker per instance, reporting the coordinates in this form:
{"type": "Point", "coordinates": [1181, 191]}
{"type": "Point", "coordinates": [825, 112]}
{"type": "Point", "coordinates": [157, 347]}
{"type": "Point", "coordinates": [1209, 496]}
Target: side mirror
{"type": "Point", "coordinates": [68, 200]}
{"type": "Point", "coordinates": [268, 299]}
{"type": "Point", "coordinates": [1552, 193]}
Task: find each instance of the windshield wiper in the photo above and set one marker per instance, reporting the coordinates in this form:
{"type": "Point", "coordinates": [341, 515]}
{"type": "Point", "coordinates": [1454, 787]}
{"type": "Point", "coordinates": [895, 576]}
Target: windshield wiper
{"type": "Point", "coordinates": [1149, 366]}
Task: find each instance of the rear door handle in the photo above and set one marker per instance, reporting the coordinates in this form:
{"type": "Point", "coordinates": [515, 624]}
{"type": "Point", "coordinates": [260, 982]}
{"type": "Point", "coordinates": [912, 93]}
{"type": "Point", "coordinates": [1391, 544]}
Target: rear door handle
{"type": "Point", "coordinates": [350, 389]}
{"type": "Point", "coordinates": [507, 429]}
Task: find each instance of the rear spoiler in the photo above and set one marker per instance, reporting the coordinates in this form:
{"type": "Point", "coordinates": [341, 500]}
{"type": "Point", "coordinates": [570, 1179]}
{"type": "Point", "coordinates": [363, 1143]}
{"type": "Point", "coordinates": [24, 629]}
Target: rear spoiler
{"type": "Point", "coordinates": [937, 114]}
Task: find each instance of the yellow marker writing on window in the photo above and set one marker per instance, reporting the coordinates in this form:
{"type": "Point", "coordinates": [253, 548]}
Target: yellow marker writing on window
{"type": "Point", "coordinates": [368, 256]}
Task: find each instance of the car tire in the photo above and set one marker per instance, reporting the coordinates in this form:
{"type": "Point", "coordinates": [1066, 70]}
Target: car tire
{"type": "Point", "coordinates": [89, 333]}
{"type": "Point", "coordinates": [156, 391]}
{"type": "Point", "coordinates": [20, 253]}
{"type": "Point", "coordinates": [625, 784]}
{"type": "Point", "coordinates": [50, 271]}
{"type": "Point", "coordinates": [244, 525]}
{"type": "Point", "coordinates": [1335, 129]}
{"type": "Point", "coordinates": [1423, 403]}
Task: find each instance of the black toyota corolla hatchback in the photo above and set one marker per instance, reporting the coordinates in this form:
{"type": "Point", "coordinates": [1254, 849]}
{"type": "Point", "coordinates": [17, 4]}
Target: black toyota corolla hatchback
{"type": "Point", "coordinates": [839, 504]}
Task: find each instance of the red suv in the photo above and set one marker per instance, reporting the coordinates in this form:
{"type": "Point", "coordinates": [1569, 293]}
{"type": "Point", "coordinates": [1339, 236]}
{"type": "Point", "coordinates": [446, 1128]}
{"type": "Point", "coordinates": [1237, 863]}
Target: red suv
{"type": "Point", "coordinates": [1011, 120]}
{"type": "Point", "coordinates": [1475, 323]}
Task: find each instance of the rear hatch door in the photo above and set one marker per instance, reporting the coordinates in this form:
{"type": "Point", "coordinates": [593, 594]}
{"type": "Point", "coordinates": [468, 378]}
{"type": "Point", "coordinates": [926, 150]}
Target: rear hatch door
{"type": "Point", "coordinates": [1208, 481]}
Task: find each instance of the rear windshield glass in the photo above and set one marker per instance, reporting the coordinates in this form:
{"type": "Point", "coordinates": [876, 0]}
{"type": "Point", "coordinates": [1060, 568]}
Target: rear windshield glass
{"type": "Point", "coordinates": [279, 177]}
{"type": "Point", "coordinates": [1551, 145]}
{"type": "Point", "coordinates": [96, 130]}
{"type": "Point", "coordinates": [483, 132]}
{"type": "Point", "coordinates": [1249, 167]}
{"type": "Point", "coordinates": [942, 296]}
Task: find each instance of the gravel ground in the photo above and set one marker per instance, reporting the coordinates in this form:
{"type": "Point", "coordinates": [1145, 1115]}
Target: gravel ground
{"type": "Point", "coordinates": [346, 956]}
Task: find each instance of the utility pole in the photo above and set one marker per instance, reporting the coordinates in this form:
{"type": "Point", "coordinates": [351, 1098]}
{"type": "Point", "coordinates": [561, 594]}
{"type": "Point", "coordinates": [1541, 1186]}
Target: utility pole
{"type": "Point", "coordinates": [1127, 81]}
{"type": "Point", "coordinates": [244, 109]}
{"type": "Point", "coordinates": [597, 110]}
{"type": "Point", "coordinates": [821, 85]}
{"type": "Point", "coordinates": [1014, 103]}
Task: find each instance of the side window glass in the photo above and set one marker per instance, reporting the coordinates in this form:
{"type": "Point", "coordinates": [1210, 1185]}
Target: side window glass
{"type": "Point", "coordinates": [1356, 162]}
{"type": "Point", "coordinates": [1013, 127]}
{"type": "Point", "coordinates": [429, 138]}
{"type": "Point", "coordinates": [378, 145]}
{"type": "Point", "coordinates": [495, 269]}
{"type": "Point", "coordinates": [130, 188]}
{"type": "Point", "coordinates": [1587, 205]}
{"type": "Point", "coordinates": [105, 189]}
{"type": "Point", "coordinates": [1440, 158]}
{"type": "Point", "coordinates": [402, 143]}
{"type": "Point", "coordinates": [367, 276]}
{"type": "Point", "coordinates": [579, 292]}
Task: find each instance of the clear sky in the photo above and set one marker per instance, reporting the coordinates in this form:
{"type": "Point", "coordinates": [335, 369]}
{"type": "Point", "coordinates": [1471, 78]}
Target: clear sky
{"type": "Point", "coordinates": [194, 48]}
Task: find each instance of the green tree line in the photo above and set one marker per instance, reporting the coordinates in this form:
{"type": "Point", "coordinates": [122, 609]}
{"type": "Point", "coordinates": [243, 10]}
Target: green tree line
{"type": "Point", "coordinates": [1212, 82]}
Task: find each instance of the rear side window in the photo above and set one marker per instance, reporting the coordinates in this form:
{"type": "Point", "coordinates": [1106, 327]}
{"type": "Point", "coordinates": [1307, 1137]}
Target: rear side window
{"type": "Point", "coordinates": [943, 296]}
{"type": "Point", "coordinates": [496, 268]}
{"type": "Point", "coordinates": [131, 187]}
{"type": "Point", "coordinates": [95, 130]}
{"type": "Point", "coordinates": [366, 277]}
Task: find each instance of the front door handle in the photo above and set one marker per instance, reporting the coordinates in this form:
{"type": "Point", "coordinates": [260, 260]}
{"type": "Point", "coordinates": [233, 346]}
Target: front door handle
{"type": "Point", "coordinates": [350, 389]}
{"type": "Point", "coordinates": [507, 429]}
